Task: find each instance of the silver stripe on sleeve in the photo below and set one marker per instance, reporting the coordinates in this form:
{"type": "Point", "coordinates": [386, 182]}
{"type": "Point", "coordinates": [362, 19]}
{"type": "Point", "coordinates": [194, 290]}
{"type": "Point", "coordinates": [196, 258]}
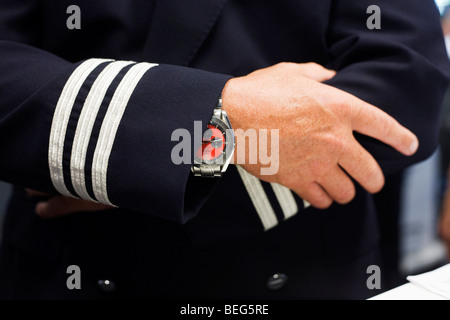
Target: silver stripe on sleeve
{"type": "Point", "coordinates": [286, 199]}
{"type": "Point", "coordinates": [306, 204]}
{"type": "Point", "coordinates": [60, 121]}
{"type": "Point", "coordinates": [109, 129]}
{"type": "Point", "coordinates": [259, 199]}
{"type": "Point", "coordinates": [86, 123]}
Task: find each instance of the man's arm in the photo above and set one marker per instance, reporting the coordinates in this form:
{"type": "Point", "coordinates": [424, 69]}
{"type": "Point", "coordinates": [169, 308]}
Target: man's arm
{"type": "Point", "coordinates": [124, 156]}
{"type": "Point", "coordinates": [317, 150]}
{"type": "Point", "coordinates": [96, 129]}
{"type": "Point", "coordinates": [402, 68]}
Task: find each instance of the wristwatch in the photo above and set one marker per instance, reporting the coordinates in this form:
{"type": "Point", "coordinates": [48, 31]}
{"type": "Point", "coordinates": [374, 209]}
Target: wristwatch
{"type": "Point", "coordinates": [218, 143]}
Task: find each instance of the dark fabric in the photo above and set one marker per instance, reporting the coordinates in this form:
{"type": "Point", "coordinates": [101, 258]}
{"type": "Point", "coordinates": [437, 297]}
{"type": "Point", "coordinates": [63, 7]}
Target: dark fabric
{"type": "Point", "coordinates": [388, 206]}
{"type": "Point", "coordinates": [177, 236]}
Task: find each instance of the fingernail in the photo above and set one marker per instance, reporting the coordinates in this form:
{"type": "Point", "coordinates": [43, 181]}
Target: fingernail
{"type": "Point", "coordinates": [414, 146]}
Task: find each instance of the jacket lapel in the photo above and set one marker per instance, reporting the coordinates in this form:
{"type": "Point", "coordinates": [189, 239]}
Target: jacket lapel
{"type": "Point", "coordinates": [179, 28]}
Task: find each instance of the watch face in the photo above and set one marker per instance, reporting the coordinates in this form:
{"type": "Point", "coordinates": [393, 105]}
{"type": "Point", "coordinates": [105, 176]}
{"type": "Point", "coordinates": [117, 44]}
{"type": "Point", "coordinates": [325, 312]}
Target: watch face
{"type": "Point", "coordinates": [213, 145]}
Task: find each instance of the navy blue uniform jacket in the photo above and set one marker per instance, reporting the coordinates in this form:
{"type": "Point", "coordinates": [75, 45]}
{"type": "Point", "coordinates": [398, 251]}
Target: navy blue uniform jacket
{"type": "Point", "coordinates": [90, 112]}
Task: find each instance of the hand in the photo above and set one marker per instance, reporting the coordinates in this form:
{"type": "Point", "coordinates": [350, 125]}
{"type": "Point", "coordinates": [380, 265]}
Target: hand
{"type": "Point", "coordinates": [56, 206]}
{"type": "Point", "coordinates": [318, 151]}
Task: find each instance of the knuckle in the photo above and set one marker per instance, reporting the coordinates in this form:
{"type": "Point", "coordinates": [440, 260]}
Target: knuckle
{"type": "Point", "coordinates": [386, 127]}
{"type": "Point", "coordinates": [340, 97]}
{"type": "Point", "coordinates": [347, 196]}
{"type": "Point", "coordinates": [320, 201]}
{"type": "Point", "coordinates": [337, 142]}
{"type": "Point", "coordinates": [347, 110]}
{"type": "Point", "coordinates": [341, 105]}
{"type": "Point", "coordinates": [324, 203]}
{"type": "Point", "coordinates": [313, 65]}
{"type": "Point", "coordinates": [340, 143]}
{"type": "Point", "coordinates": [374, 178]}
{"type": "Point", "coordinates": [285, 65]}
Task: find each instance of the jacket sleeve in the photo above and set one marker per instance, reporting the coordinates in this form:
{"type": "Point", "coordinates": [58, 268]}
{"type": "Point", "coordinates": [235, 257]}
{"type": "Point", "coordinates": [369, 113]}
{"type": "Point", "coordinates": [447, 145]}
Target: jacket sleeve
{"type": "Point", "coordinates": [97, 129]}
{"type": "Point", "coordinates": [401, 68]}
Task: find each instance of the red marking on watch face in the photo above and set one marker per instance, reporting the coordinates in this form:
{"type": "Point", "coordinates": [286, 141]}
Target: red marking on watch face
{"type": "Point", "coordinates": [213, 144]}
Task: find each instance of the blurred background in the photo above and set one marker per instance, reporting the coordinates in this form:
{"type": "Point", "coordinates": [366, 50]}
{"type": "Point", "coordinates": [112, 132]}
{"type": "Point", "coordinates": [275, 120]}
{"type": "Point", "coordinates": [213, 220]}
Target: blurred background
{"type": "Point", "coordinates": [419, 246]}
{"type": "Point", "coordinates": [442, 4]}
{"type": "Point", "coordinates": [422, 191]}
{"type": "Point", "coordinates": [5, 191]}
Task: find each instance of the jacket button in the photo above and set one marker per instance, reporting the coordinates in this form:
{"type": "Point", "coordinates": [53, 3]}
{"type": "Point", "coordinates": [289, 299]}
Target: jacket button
{"type": "Point", "coordinates": [106, 285]}
{"type": "Point", "coordinates": [277, 281]}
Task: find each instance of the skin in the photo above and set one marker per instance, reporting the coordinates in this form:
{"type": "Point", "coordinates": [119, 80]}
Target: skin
{"type": "Point", "coordinates": [444, 225]}
{"type": "Point", "coordinates": [51, 206]}
{"type": "Point", "coordinates": [318, 151]}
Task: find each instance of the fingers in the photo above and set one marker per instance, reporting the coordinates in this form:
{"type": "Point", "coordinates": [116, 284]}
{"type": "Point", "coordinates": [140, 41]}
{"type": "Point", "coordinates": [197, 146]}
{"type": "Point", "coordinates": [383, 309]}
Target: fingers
{"type": "Point", "coordinates": [309, 70]}
{"type": "Point", "coordinates": [316, 196]}
{"type": "Point", "coordinates": [360, 165]}
{"type": "Point", "coordinates": [338, 186]}
{"type": "Point", "coordinates": [371, 121]}
{"type": "Point", "coordinates": [36, 194]}
{"type": "Point", "coordinates": [315, 71]}
{"type": "Point", "coordinates": [61, 206]}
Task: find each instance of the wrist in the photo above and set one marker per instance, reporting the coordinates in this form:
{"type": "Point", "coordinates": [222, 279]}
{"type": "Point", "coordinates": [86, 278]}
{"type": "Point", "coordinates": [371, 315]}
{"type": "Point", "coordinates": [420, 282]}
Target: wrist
{"type": "Point", "coordinates": [239, 110]}
{"type": "Point", "coordinates": [217, 147]}
{"type": "Point", "coordinates": [225, 97]}
{"type": "Point", "coordinates": [229, 95]}
{"type": "Point", "coordinates": [229, 107]}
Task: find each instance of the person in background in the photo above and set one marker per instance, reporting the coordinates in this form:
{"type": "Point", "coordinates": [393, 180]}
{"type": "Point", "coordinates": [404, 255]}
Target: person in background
{"type": "Point", "coordinates": [444, 224]}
